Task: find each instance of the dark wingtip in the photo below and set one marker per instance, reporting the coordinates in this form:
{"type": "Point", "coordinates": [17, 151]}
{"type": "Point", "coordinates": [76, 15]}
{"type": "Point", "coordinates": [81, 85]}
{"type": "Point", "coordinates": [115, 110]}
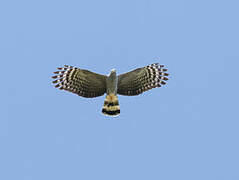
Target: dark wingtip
{"type": "Point", "coordinates": [54, 81]}
{"type": "Point", "coordinates": [164, 78]}
{"type": "Point", "coordinates": [54, 77]}
{"type": "Point", "coordinates": [58, 85]}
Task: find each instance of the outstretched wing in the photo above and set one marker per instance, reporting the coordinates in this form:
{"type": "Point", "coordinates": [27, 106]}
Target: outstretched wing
{"type": "Point", "coordinates": [80, 81]}
{"type": "Point", "coordinates": [142, 79]}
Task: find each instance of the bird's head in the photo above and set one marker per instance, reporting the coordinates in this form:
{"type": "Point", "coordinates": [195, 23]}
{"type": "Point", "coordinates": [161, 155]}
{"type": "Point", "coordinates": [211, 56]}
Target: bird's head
{"type": "Point", "coordinates": [113, 70]}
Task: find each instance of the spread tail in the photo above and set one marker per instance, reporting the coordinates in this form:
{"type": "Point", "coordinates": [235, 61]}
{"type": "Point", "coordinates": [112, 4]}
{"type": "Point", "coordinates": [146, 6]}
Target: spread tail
{"type": "Point", "coordinates": [111, 105]}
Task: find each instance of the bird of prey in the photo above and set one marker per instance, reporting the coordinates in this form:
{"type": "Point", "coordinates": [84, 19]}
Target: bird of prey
{"type": "Point", "coordinates": [89, 84]}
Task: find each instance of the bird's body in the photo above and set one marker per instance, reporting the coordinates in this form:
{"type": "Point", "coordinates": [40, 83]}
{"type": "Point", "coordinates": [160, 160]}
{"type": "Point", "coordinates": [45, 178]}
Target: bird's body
{"type": "Point", "coordinates": [111, 83]}
{"type": "Point", "coordinates": [111, 104]}
{"type": "Point", "coordinates": [88, 84]}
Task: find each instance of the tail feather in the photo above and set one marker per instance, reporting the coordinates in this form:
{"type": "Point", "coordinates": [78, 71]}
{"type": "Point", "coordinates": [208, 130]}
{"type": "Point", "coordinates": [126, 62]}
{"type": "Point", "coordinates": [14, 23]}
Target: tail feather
{"type": "Point", "coordinates": [111, 105]}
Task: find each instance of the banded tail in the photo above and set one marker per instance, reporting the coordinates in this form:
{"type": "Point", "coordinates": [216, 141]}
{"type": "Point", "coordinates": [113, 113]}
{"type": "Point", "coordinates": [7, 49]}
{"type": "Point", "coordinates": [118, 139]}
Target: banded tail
{"type": "Point", "coordinates": [111, 105]}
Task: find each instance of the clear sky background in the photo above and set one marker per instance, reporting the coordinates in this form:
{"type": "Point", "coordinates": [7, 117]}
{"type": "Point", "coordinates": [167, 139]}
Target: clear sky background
{"type": "Point", "coordinates": [186, 130]}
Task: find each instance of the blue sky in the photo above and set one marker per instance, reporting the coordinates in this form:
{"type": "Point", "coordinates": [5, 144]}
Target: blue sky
{"type": "Point", "coordinates": [185, 130]}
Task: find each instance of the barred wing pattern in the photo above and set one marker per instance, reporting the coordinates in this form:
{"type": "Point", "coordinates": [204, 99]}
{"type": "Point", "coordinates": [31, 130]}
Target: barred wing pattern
{"type": "Point", "coordinates": [142, 79]}
{"type": "Point", "coordinates": [79, 81]}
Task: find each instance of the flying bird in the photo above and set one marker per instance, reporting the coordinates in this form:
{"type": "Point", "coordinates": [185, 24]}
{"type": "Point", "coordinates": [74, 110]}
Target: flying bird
{"type": "Point", "coordinates": [89, 84]}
